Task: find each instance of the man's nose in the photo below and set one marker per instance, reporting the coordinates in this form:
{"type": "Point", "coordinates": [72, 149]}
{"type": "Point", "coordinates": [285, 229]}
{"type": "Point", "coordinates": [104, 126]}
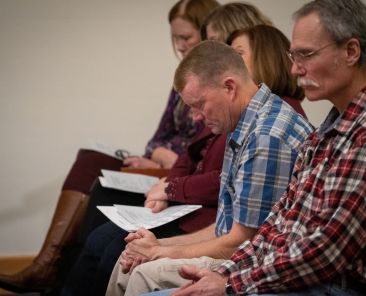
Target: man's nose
{"type": "Point", "coordinates": [197, 116]}
{"type": "Point", "coordinates": [297, 69]}
{"type": "Point", "coordinates": [181, 46]}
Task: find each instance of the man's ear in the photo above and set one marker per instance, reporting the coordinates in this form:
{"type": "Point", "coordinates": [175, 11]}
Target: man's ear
{"type": "Point", "coordinates": [353, 51]}
{"type": "Point", "coordinates": [230, 87]}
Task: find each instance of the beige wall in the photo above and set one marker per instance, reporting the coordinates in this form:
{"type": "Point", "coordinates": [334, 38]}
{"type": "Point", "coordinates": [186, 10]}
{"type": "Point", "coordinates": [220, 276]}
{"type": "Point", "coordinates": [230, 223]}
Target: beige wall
{"type": "Point", "coordinates": [76, 70]}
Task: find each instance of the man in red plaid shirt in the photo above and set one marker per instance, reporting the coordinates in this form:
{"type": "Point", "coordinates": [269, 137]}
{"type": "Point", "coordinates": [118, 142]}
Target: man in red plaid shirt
{"type": "Point", "coordinates": [314, 240]}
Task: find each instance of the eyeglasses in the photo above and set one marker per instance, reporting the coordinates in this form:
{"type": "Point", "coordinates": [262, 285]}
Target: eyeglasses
{"type": "Point", "coordinates": [301, 56]}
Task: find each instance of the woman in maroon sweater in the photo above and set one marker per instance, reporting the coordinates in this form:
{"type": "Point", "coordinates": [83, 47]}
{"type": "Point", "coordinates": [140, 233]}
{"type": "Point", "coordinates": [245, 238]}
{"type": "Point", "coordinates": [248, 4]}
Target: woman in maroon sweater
{"type": "Point", "coordinates": [194, 181]}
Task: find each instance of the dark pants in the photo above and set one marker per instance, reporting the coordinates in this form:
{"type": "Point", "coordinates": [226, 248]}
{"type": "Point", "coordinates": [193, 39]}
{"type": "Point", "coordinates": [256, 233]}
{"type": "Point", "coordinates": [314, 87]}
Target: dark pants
{"type": "Point", "coordinates": [91, 272]}
{"type": "Point", "coordinates": [103, 242]}
{"type": "Point", "coordinates": [100, 242]}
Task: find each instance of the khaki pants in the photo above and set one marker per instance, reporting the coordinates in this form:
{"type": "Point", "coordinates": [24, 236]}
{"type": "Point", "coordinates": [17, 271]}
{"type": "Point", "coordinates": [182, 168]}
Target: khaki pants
{"type": "Point", "coordinates": [154, 275]}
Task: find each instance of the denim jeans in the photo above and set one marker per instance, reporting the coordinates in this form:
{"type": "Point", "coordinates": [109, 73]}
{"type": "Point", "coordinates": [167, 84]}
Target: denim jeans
{"type": "Point", "coordinates": [323, 290]}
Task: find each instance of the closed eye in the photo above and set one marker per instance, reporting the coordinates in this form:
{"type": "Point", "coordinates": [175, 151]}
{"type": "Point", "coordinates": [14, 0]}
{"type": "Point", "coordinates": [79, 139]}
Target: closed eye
{"type": "Point", "coordinates": [198, 105]}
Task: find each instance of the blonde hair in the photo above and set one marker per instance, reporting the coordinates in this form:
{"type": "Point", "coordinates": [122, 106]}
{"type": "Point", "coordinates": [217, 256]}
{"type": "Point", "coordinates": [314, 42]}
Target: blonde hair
{"type": "Point", "coordinates": [233, 16]}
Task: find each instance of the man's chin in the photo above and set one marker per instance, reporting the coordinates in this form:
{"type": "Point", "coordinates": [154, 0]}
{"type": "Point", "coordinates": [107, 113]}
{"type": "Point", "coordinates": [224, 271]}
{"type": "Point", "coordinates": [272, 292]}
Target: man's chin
{"type": "Point", "coordinates": [312, 96]}
{"type": "Point", "coordinates": [215, 130]}
{"type": "Point", "coordinates": [210, 126]}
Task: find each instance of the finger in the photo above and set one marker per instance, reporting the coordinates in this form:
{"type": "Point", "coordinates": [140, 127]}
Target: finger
{"type": "Point", "coordinates": [134, 162]}
{"type": "Point", "coordinates": [129, 252]}
{"type": "Point", "coordinates": [126, 268]}
{"type": "Point", "coordinates": [130, 237]}
{"type": "Point", "coordinates": [150, 204]}
{"type": "Point", "coordinates": [124, 257]}
{"type": "Point", "coordinates": [138, 261]}
{"type": "Point", "coordinates": [156, 198]}
{"type": "Point", "coordinates": [129, 160]}
{"type": "Point", "coordinates": [149, 197]}
{"type": "Point", "coordinates": [126, 265]}
{"type": "Point", "coordinates": [135, 263]}
{"type": "Point", "coordinates": [162, 205]}
{"type": "Point", "coordinates": [143, 232]}
{"type": "Point", "coordinates": [203, 272]}
{"type": "Point", "coordinates": [133, 250]}
{"type": "Point", "coordinates": [157, 208]}
{"type": "Point", "coordinates": [189, 272]}
{"type": "Point", "coordinates": [144, 260]}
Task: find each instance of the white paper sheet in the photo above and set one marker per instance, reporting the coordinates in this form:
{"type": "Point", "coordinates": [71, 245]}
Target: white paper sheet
{"type": "Point", "coordinates": [126, 181]}
{"type": "Point", "coordinates": [131, 218]}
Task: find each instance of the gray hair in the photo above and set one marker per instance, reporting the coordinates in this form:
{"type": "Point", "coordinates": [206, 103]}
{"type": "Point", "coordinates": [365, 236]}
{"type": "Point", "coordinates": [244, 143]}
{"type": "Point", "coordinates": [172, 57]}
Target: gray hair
{"type": "Point", "coordinates": [342, 19]}
{"type": "Point", "coordinates": [209, 61]}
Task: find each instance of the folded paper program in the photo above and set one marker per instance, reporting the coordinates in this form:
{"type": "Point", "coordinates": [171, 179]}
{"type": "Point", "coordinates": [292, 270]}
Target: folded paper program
{"type": "Point", "coordinates": [131, 218]}
{"type": "Point", "coordinates": [126, 181]}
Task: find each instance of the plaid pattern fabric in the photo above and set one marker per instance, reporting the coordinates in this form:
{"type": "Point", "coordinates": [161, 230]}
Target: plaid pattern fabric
{"type": "Point", "coordinates": [317, 231]}
{"type": "Point", "coordinates": [258, 161]}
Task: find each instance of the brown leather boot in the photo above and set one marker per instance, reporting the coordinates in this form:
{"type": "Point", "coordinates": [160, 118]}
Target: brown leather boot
{"type": "Point", "coordinates": [63, 231]}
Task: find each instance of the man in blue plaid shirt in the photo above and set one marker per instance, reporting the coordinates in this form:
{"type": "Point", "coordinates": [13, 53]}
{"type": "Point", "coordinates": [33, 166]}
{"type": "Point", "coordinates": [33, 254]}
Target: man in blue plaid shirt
{"type": "Point", "coordinates": [264, 134]}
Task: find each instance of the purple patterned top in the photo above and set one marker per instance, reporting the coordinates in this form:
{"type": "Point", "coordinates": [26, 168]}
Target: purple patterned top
{"type": "Point", "coordinates": [176, 127]}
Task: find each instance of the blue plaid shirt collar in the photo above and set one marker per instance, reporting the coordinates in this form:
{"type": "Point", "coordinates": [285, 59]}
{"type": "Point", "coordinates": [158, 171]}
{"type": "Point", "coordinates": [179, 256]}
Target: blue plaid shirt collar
{"type": "Point", "coordinates": [248, 116]}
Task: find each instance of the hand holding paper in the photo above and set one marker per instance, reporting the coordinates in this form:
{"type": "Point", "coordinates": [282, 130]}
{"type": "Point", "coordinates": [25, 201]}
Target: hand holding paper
{"type": "Point", "coordinates": [140, 162]}
{"type": "Point", "coordinates": [157, 191]}
{"type": "Point", "coordinates": [156, 206]}
{"type": "Point", "coordinates": [156, 198]}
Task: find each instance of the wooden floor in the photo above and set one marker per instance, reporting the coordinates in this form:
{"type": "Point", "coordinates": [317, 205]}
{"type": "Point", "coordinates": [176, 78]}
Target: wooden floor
{"type": "Point", "coordinates": [10, 265]}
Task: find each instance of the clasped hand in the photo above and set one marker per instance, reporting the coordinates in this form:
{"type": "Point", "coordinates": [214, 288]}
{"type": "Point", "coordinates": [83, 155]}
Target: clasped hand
{"type": "Point", "coordinates": [142, 246]}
